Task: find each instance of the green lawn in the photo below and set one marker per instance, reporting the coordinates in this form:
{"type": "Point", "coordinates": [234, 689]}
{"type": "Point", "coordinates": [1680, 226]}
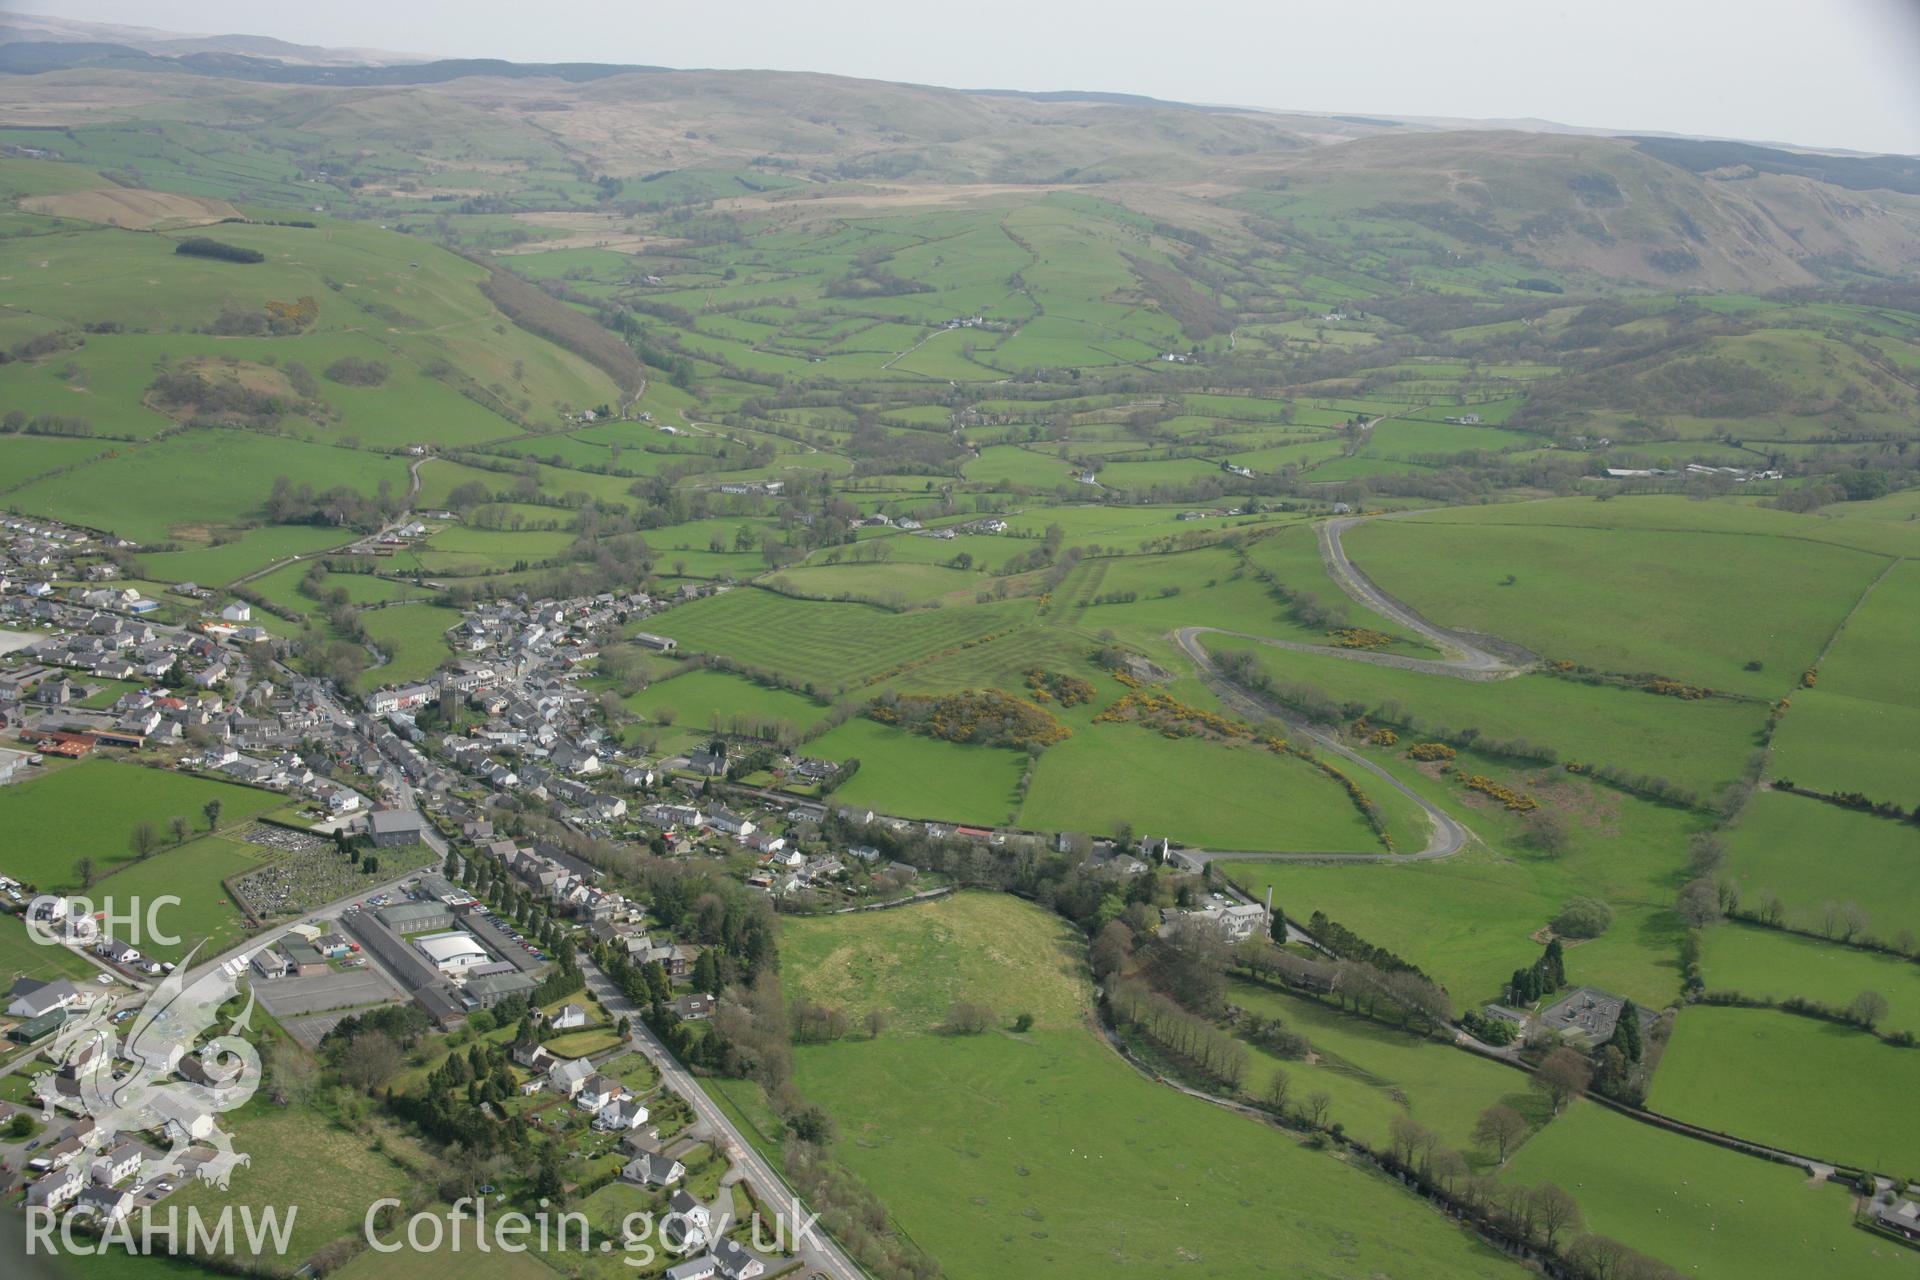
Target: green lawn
{"type": "Point", "coordinates": [1816, 1088]}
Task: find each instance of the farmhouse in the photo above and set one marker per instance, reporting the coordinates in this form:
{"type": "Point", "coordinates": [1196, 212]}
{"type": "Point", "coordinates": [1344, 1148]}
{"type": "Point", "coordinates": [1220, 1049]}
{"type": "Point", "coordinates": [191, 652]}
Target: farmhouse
{"type": "Point", "coordinates": [1900, 1215]}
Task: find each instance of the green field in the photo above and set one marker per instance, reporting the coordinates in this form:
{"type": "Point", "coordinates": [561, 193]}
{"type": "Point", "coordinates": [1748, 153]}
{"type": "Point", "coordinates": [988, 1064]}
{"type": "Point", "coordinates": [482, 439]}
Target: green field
{"type": "Point", "coordinates": [1467, 921]}
{"type": "Point", "coordinates": [1773, 965]}
{"type": "Point", "coordinates": [1199, 792]}
{"type": "Point", "coordinates": [1832, 742]}
{"type": "Point", "coordinates": [1810, 854]}
{"type": "Point", "coordinates": [826, 646]}
{"type": "Point", "coordinates": [1049, 1147]}
{"type": "Point", "coordinates": [905, 775]}
{"type": "Point", "coordinates": [1712, 1212]}
{"type": "Point", "coordinates": [1375, 1072]}
{"type": "Point", "coordinates": [1633, 598]}
{"type": "Point", "coordinates": [136, 493]}
{"type": "Point", "coordinates": [1873, 656]}
{"type": "Point", "coordinates": [1811, 1087]}
{"type": "Point", "coordinates": [23, 957]}
{"type": "Point", "coordinates": [703, 700]}
{"type": "Point", "coordinates": [194, 872]}
{"type": "Point", "coordinates": [90, 809]}
{"type": "Point", "coordinates": [413, 637]}
{"type": "Point", "coordinates": [1700, 744]}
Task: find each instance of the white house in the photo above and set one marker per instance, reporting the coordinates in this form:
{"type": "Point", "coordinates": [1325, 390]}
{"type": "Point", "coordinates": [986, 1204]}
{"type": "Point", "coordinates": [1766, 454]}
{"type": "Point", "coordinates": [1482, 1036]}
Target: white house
{"type": "Point", "coordinates": [687, 1223]}
{"type": "Point", "coordinates": [238, 611]}
{"type": "Point", "coordinates": [620, 1115]}
{"type": "Point", "coordinates": [117, 1165]}
{"type": "Point", "coordinates": [566, 1077]}
{"type": "Point", "coordinates": [652, 1169]}
{"type": "Point", "coordinates": [106, 1204]}
{"type": "Point", "coordinates": [567, 1017]}
{"type": "Point", "coordinates": [598, 1091]}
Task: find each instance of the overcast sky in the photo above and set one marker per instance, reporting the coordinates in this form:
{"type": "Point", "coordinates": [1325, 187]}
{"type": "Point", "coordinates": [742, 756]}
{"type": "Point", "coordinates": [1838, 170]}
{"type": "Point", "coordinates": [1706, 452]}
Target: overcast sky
{"type": "Point", "coordinates": [1838, 73]}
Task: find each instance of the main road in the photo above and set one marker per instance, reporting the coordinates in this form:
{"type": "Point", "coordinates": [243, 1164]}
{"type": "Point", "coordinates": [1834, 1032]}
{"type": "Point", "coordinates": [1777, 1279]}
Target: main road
{"type": "Point", "coordinates": [816, 1250]}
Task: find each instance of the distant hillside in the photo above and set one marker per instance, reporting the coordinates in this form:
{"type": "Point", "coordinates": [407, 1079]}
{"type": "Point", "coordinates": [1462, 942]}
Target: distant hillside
{"type": "Point", "coordinates": [44, 27]}
{"type": "Point", "coordinates": [1856, 173]}
{"type": "Point", "coordinates": [247, 121]}
{"type": "Point", "coordinates": [1611, 208]}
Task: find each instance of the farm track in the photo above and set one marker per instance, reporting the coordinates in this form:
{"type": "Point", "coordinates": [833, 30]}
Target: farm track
{"type": "Point", "coordinates": [1465, 659]}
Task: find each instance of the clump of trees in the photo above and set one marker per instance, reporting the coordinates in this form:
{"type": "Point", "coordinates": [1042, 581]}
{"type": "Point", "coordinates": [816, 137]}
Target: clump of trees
{"type": "Point", "coordinates": [1214, 1052]}
{"type": "Point", "coordinates": [1583, 918]}
{"type": "Point", "coordinates": [1543, 977]}
{"type": "Point", "coordinates": [967, 1018]}
{"type": "Point", "coordinates": [187, 391]}
{"type": "Point", "coordinates": [220, 250]}
{"type": "Point", "coordinates": [288, 503]}
{"type": "Point", "coordinates": [352, 371]}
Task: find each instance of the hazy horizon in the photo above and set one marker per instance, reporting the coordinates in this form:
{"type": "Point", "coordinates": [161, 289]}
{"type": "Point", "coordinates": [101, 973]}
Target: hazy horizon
{"type": "Point", "coordinates": [1763, 70]}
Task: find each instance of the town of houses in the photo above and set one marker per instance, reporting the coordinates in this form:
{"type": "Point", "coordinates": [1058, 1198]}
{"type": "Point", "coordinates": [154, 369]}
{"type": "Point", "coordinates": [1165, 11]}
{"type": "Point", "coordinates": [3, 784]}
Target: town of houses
{"type": "Point", "coordinates": [205, 691]}
{"type": "Point", "coordinates": [210, 689]}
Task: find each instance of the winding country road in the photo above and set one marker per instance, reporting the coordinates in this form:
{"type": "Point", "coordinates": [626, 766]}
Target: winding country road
{"type": "Point", "coordinates": [1462, 660]}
